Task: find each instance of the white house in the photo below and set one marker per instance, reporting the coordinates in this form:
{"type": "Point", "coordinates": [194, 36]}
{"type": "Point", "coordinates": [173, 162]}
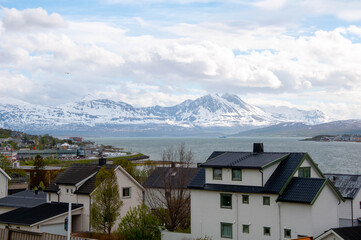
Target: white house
{"type": "Point", "coordinates": [349, 186]}
{"type": "Point", "coordinates": [4, 179]}
{"type": "Point", "coordinates": [75, 185]}
{"type": "Point", "coordinates": [261, 195]}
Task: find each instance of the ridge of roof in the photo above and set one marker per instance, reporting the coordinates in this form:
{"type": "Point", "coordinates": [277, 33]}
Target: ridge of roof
{"type": "Point", "coordinates": [251, 160]}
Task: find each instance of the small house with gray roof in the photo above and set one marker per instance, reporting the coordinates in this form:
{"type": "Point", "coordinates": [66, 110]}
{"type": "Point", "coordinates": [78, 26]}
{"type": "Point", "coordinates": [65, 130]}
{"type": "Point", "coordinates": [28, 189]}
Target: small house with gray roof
{"type": "Point", "coordinates": [349, 186]}
{"type": "Point", "coordinates": [76, 184]}
{"type": "Point", "coordinates": [23, 199]}
{"type": "Point", "coordinates": [262, 195]}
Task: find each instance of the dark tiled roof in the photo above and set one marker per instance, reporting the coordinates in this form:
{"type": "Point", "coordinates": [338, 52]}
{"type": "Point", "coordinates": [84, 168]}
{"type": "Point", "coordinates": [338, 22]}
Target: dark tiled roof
{"type": "Point", "coordinates": [26, 199]}
{"type": "Point", "coordinates": [52, 187]}
{"type": "Point", "coordinates": [88, 187]}
{"type": "Point", "coordinates": [348, 233]}
{"type": "Point", "coordinates": [302, 190]}
{"type": "Point", "coordinates": [30, 216]}
{"type": "Point", "coordinates": [283, 172]}
{"type": "Point", "coordinates": [199, 179]}
{"type": "Point", "coordinates": [348, 185]}
{"type": "Point", "coordinates": [179, 176]}
{"type": "Point", "coordinates": [242, 159]}
{"type": "Point", "coordinates": [76, 173]}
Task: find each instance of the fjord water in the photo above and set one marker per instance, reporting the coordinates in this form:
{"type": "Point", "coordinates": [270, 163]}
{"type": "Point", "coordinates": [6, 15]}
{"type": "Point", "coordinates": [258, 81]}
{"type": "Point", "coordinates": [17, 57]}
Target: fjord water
{"type": "Point", "coordinates": [331, 157]}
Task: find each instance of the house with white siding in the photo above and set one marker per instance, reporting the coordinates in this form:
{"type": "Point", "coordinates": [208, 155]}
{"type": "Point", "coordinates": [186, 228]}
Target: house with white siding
{"type": "Point", "coordinates": [349, 186]}
{"type": "Point", "coordinates": [262, 195]}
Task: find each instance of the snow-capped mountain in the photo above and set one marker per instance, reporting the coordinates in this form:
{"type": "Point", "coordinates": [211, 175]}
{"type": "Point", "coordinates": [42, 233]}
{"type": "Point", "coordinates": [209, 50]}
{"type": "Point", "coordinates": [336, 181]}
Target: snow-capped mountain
{"type": "Point", "coordinates": [227, 113]}
{"type": "Point", "coordinates": [310, 117]}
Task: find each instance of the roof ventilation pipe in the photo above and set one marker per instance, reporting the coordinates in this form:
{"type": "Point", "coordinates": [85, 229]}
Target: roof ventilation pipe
{"type": "Point", "coordinates": [102, 161]}
{"type": "Point", "coordinates": [258, 147]}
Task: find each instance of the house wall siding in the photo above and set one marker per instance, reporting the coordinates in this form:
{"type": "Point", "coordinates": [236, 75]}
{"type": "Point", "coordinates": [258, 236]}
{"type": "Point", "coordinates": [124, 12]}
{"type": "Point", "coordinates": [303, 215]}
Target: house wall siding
{"type": "Point", "coordinates": [3, 186]}
{"type": "Point", "coordinates": [297, 217]}
{"type": "Point", "coordinates": [251, 177]}
{"type": "Point", "coordinates": [345, 209]}
{"type": "Point", "coordinates": [357, 206]}
{"type": "Point", "coordinates": [206, 222]}
{"type": "Point", "coordinates": [136, 194]}
{"type": "Point", "coordinates": [267, 173]}
{"type": "Point", "coordinates": [325, 211]}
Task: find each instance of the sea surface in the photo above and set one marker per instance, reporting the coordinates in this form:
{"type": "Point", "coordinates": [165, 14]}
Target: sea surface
{"type": "Point", "coordinates": [331, 157]}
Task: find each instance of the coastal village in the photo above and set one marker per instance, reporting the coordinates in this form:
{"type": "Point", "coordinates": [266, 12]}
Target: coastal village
{"type": "Point", "coordinates": [231, 195]}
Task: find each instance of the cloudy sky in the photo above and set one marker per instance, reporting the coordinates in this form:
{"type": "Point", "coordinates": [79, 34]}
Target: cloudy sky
{"type": "Point", "coordinates": [297, 53]}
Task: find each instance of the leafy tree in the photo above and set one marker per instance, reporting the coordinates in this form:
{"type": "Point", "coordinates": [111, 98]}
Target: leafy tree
{"type": "Point", "coordinates": [5, 164]}
{"type": "Point", "coordinates": [106, 202]}
{"type": "Point", "coordinates": [140, 223]}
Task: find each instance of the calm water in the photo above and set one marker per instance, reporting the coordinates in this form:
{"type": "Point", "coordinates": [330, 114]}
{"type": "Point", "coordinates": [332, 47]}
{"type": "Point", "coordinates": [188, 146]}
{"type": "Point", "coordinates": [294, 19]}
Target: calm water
{"type": "Point", "coordinates": [332, 157]}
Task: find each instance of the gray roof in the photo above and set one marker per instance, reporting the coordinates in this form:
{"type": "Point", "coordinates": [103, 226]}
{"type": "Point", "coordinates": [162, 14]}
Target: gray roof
{"type": "Point", "coordinates": [348, 185]}
{"type": "Point", "coordinates": [26, 199]}
{"type": "Point", "coordinates": [178, 176]}
{"type": "Point", "coordinates": [30, 216]}
{"type": "Point", "coordinates": [243, 159]}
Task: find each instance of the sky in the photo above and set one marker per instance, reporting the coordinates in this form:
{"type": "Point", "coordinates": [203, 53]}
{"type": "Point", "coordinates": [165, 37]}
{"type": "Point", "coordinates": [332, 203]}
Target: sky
{"type": "Point", "coordinates": [296, 53]}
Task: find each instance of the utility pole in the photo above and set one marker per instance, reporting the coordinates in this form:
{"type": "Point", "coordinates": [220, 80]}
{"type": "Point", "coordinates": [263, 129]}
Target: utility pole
{"type": "Point", "coordinates": [69, 222]}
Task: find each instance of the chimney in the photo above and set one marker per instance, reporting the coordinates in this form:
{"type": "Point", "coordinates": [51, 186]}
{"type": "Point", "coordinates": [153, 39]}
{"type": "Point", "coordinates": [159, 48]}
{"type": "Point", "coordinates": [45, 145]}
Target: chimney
{"type": "Point", "coordinates": [102, 161]}
{"type": "Point", "coordinates": [258, 147]}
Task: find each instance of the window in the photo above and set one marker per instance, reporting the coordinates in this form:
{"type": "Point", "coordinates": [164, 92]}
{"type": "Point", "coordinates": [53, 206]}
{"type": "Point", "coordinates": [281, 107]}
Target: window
{"type": "Point", "coordinates": [236, 174]}
{"type": "Point", "coordinates": [71, 191]}
{"type": "Point", "coordinates": [126, 192]}
{"type": "Point", "coordinates": [287, 233]}
{"type": "Point", "coordinates": [304, 172]}
{"type": "Point", "coordinates": [226, 200]}
{"type": "Point", "coordinates": [266, 200]}
{"type": "Point", "coordinates": [267, 231]}
{"type": "Point", "coordinates": [245, 228]}
{"type": "Point", "coordinates": [245, 199]}
{"type": "Point", "coordinates": [67, 190]}
{"type": "Point", "coordinates": [226, 230]}
{"type": "Point", "coordinates": [217, 173]}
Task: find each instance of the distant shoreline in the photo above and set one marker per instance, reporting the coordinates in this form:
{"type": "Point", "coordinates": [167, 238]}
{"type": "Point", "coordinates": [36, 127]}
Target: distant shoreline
{"type": "Point", "coordinates": [335, 138]}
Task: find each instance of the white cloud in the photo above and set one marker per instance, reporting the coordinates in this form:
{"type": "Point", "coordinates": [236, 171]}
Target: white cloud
{"type": "Point", "coordinates": [270, 4]}
{"type": "Point", "coordinates": [105, 60]}
{"type": "Point", "coordinates": [28, 19]}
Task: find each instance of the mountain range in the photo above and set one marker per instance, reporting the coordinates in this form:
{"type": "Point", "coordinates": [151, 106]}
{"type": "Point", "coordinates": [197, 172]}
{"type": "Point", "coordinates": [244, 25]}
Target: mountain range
{"type": "Point", "coordinates": [208, 115]}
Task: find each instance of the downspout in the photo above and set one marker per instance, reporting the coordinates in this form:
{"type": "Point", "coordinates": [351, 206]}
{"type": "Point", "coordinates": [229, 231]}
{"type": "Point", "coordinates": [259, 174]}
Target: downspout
{"type": "Point", "coordinates": [279, 220]}
{"type": "Point", "coordinates": [237, 226]}
{"type": "Point", "coordinates": [90, 204]}
{"type": "Point", "coordinates": [262, 176]}
{"type": "Point", "coordinates": [352, 211]}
